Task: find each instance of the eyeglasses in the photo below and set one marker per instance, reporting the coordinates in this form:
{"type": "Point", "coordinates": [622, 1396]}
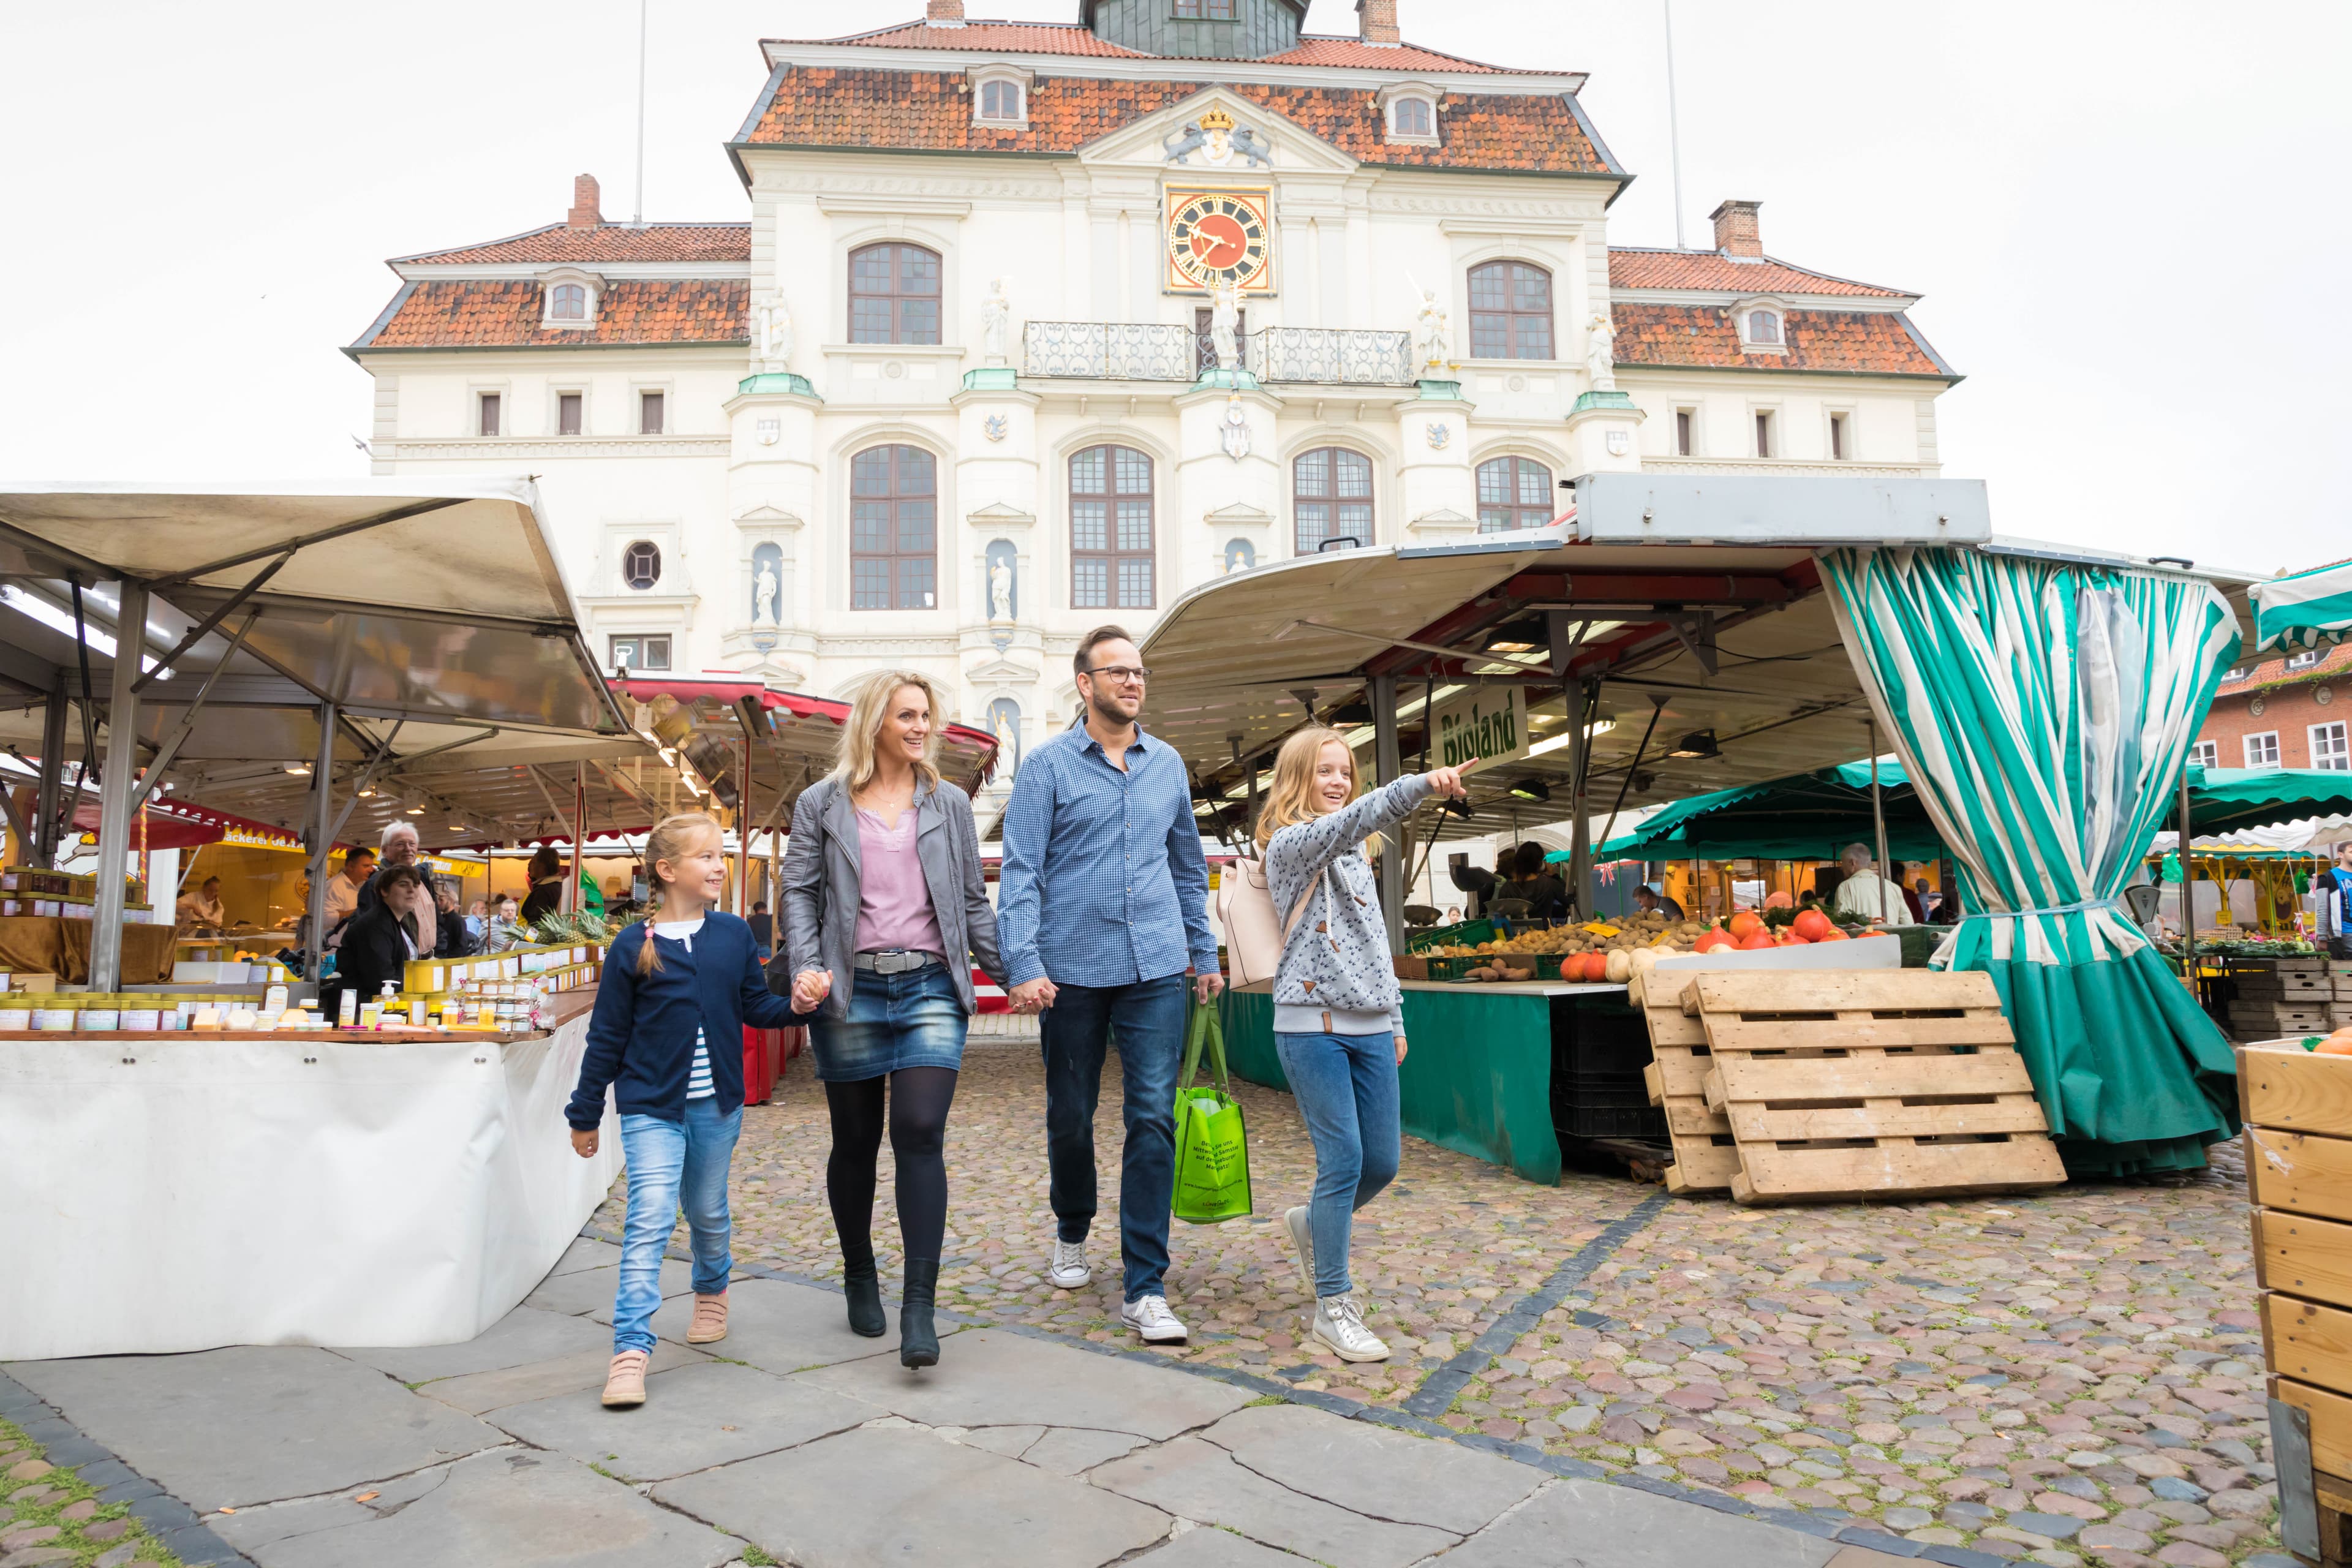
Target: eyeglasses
{"type": "Point", "coordinates": [1122, 674]}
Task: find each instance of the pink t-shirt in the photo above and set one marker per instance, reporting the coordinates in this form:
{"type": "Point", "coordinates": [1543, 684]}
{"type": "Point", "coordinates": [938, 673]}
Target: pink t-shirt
{"type": "Point", "coordinates": [894, 905]}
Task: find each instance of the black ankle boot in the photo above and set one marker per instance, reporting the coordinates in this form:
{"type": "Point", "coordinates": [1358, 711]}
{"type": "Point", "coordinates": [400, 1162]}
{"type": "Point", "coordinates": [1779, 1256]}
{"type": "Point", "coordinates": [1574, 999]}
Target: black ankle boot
{"type": "Point", "coordinates": [919, 1340]}
{"type": "Point", "coordinates": [864, 1287]}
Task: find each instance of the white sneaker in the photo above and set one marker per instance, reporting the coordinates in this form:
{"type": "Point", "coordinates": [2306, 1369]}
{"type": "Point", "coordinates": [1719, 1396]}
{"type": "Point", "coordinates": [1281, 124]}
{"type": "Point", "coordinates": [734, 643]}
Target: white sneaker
{"type": "Point", "coordinates": [1066, 1266]}
{"type": "Point", "coordinates": [1302, 1243]}
{"type": "Point", "coordinates": [1150, 1317]}
{"type": "Point", "coordinates": [1342, 1328]}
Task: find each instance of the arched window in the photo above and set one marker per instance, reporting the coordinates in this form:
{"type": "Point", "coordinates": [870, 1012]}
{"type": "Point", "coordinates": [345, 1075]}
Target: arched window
{"type": "Point", "coordinates": [1110, 529]}
{"type": "Point", "coordinates": [894, 510]}
{"type": "Point", "coordinates": [1000, 101]}
{"type": "Point", "coordinates": [1764, 326]}
{"type": "Point", "coordinates": [569, 302]}
{"type": "Point", "coordinates": [1512, 492]}
{"type": "Point", "coordinates": [1331, 497]}
{"type": "Point", "coordinates": [894, 295]}
{"type": "Point", "coordinates": [1410, 117]}
{"type": "Point", "coordinates": [640, 564]}
{"type": "Point", "coordinates": [1510, 311]}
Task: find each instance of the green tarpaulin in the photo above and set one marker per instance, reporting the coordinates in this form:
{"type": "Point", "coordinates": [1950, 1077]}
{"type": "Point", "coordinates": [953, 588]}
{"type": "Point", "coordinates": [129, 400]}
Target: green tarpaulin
{"type": "Point", "coordinates": [2044, 710]}
{"type": "Point", "coordinates": [2224, 799]}
{"type": "Point", "coordinates": [1805, 816]}
{"type": "Point", "coordinates": [2303, 609]}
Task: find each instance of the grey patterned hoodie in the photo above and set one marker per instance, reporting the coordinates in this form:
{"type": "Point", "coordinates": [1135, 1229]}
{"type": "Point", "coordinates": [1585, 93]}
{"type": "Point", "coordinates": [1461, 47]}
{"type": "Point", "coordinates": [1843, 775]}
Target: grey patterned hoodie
{"type": "Point", "coordinates": [1334, 976]}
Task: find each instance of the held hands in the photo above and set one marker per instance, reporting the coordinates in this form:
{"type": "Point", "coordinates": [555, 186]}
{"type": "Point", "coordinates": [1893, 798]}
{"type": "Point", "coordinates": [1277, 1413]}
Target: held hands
{"type": "Point", "coordinates": [1448, 782]}
{"type": "Point", "coordinates": [583, 1143]}
{"type": "Point", "coordinates": [810, 988]}
{"type": "Point", "coordinates": [1032, 995]}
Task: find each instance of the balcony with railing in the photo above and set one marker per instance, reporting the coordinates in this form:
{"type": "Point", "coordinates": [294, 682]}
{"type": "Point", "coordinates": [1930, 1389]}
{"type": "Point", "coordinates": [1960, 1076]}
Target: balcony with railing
{"type": "Point", "coordinates": [1148, 351]}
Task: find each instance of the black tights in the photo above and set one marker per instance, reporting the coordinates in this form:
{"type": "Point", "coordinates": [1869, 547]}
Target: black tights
{"type": "Point", "coordinates": [919, 1101]}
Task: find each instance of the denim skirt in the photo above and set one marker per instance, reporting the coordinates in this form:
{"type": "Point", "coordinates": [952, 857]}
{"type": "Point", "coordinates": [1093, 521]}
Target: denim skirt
{"type": "Point", "coordinates": [912, 1019]}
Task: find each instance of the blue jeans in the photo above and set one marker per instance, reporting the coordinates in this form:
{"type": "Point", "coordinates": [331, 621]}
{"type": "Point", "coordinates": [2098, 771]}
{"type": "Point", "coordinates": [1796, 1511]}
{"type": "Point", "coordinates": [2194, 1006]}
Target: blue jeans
{"type": "Point", "coordinates": [673, 1165]}
{"type": "Point", "coordinates": [1345, 1085]}
{"type": "Point", "coordinates": [1149, 1017]}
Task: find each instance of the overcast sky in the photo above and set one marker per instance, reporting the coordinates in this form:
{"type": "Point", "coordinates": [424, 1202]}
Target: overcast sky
{"type": "Point", "coordinates": [2126, 219]}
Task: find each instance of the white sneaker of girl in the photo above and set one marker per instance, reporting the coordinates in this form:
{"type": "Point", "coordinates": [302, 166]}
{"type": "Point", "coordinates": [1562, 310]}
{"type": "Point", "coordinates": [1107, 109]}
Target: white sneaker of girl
{"type": "Point", "coordinates": [1339, 1326]}
{"type": "Point", "coordinates": [1302, 1243]}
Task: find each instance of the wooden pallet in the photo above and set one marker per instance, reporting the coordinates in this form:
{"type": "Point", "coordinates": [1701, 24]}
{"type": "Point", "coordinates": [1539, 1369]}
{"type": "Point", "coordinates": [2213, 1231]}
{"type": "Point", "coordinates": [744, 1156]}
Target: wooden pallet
{"type": "Point", "coordinates": [1869, 1083]}
{"type": "Point", "coordinates": [1705, 1159]}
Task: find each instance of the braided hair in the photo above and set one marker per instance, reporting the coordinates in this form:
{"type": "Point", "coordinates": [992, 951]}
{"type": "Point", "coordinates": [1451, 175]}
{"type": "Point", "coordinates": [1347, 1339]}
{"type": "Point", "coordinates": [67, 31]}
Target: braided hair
{"type": "Point", "coordinates": [669, 840]}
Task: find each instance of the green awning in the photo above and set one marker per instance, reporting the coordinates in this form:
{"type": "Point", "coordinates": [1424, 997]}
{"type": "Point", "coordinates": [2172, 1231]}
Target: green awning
{"type": "Point", "coordinates": [2222, 799]}
{"type": "Point", "coordinates": [2303, 609]}
{"type": "Point", "coordinates": [1805, 816]}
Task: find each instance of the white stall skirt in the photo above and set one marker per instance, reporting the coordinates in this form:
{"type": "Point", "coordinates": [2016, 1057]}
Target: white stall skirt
{"type": "Point", "coordinates": [181, 1193]}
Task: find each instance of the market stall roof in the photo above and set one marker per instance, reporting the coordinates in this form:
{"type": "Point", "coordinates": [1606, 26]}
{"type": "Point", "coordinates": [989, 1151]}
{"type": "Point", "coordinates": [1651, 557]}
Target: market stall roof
{"type": "Point", "coordinates": [2304, 609]}
{"type": "Point", "coordinates": [2224, 799]}
{"type": "Point", "coordinates": [1697, 599]}
{"type": "Point", "coordinates": [1807, 817]}
{"type": "Point", "coordinates": [2300, 839]}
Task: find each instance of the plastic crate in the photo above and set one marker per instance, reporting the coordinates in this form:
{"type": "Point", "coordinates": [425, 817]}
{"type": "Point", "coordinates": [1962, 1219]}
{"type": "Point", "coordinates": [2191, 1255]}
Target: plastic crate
{"type": "Point", "coordinates": [1470, 932]}
{"type": "Point", "coordinates": [1644, 1123]}
{"type": "Point", "coordinates": [1604, 1039]}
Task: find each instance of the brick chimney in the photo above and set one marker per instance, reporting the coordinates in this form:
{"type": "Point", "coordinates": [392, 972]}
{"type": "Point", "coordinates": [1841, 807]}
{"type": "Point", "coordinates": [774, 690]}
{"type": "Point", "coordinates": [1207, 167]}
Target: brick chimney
{"type": "Point", "coordinates": [947, 11]}
{"type": "Point", "coordinates": [1735, 232]}
{"type": "Point", "coordinates": [585, 212]}
{"type": "Point", "coordinates": [1376, 21]}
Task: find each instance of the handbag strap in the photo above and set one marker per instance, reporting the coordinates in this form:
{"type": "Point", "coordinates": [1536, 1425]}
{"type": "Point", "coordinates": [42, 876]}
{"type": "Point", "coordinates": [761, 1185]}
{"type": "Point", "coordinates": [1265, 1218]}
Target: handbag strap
{"type": "Point", "coordinates": [1203, 1030]}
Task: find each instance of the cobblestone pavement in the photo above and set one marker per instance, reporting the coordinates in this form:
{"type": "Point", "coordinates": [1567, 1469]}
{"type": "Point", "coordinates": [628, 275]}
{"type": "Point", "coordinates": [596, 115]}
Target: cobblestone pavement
{"type": "Point", "coordinates": [2065, 1377]}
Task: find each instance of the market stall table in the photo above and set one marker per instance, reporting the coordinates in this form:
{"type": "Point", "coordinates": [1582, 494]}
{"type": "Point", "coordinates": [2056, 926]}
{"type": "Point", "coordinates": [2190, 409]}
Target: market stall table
{"type": "Point", "coordinates": [321, 1187]}
{"type": "Point", "coordinates": [48, 944]}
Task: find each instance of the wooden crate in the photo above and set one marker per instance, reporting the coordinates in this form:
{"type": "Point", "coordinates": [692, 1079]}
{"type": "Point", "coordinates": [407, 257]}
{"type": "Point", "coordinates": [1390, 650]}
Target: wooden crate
{"type": "Point", "coordinates": [1869, 1083]}
{"type": "Point", "coordinates": [1705, 1159]}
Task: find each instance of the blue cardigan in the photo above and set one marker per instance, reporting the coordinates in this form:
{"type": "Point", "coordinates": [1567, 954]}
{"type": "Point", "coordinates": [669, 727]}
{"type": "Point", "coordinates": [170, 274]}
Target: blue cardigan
{"type": "Point", "coordinates": [641, 1035]}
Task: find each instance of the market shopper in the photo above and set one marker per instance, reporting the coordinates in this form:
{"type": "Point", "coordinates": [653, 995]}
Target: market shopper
{"type": "Point", "coordinates": [381, 939]}
{"type": "Point", "coordinates": [665, 1037]}
{"type": "Point", "coordinates": [885, 912]}
{"type": "Point", "coordinates": [1338, 1019]}
{"type": "Point", "coordinates": [1866, 894]}
{"type": "Point", "coordinates": [545, 894]}
{"type": "Point", "coordinates": [2335, 889]}
{"type": "Point", "coordinates": [505, 928]}
{"type": "Point", "coordinates": [400, 847]}
{"type": "Point", "coordinates": [343, 887]}
{"type": "Point", "coordinates": [1102, 906]}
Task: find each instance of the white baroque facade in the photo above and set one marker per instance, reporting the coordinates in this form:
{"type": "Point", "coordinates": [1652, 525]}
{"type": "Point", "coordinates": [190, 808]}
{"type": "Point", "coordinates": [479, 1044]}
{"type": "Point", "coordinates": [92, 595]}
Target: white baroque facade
{"type": "Point", "coordinates": [969, 382]}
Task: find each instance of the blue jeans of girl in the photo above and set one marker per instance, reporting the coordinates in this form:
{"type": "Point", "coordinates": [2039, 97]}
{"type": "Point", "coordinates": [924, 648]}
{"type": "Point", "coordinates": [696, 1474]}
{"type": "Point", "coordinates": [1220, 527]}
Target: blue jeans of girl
{"type": "Point", "coordinates": [1346, 1087]}
{"type": "Point", "coordinates": [673, 1165]}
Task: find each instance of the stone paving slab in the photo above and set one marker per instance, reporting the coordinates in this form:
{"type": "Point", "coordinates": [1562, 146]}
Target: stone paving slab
{"type": "Point", "coordinates": [989, 1377]}
{"type": "Point", "coordinates": [587, 1290]}
{"type": "Point", "coordinates": [510, 1508]}
{"type": "Point", "coordinates": [903, 1495]}
{"type": "Point", "coordinates": [585, 1252]}
{"type": "Point", "coordinates": [1010, 1441]}
{"type": "Point", "coordinates": [1072, 1452]}
{"type": "Point", "coordinates": [485, 1391]}
{"type": "Point", "coordinates": [1201, 1482]}
{"type": "Point", "coordinates": [1592, 1524]}
{"type": "Point", "coordinates": [1209, 1547]}
{"type": "Point", "coordinates": [780, 1327]}
{"type": "Point", "coordinates": [524, 1335]}
{"type": "Point", "coordinates": [1373, 1469]}
{"type": "Point", "coordinates": [253, 1424]}
{"type": "Point", "coordinates": [693, 1418]}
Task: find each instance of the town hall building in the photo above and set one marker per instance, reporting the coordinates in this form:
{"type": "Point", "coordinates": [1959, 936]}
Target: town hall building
{"type": "Point", "coordinates": [1032, 327]}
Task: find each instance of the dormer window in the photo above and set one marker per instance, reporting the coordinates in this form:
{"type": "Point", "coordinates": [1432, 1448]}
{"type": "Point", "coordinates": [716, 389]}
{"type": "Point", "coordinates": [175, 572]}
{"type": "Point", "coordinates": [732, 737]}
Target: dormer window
{"type": "Point", "coordinates": [570, 295]}
{"type": "Point", "coordinates": [1408, 112]}
{"type": "Point", "coordinates": [999, 96]}
{"type": "Point", "coordinates": [1763, 326]}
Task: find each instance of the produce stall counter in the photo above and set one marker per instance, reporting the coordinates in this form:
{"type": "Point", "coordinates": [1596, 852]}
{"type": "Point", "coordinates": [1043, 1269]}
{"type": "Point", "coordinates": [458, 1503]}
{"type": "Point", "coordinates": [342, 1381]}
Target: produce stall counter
{"type": "Point", "coordinates": [188, 1190]}
{"type": "Point", "coordinates": [1479, 1078]}
{"type": "Point", "coordinates": [59, 947]}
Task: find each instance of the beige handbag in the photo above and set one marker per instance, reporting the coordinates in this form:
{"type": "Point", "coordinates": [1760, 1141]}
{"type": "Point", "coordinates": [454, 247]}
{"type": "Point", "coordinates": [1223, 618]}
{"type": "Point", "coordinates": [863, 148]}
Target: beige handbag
{"type": "Point", "coordinates": [1254, 943]}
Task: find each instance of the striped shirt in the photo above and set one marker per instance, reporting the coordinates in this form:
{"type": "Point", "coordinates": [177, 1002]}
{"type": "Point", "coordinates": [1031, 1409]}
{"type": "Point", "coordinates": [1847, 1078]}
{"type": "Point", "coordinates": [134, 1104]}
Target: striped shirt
{"type": "Point", "coordinates": [1103, 869]}
{"type": "Point", "coordinates": [698, 1079]}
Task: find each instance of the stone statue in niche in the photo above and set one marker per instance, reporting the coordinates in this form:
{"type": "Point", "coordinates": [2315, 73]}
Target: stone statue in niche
{"type": "Point", "coordinates": [767, 586]}
{"type": "Point", "coordinates": [996, 321]}
{"type": "Point", "coordinates": [999, 589]}
{"type": "Point", "coordinates": [774, 342]}
{"type": "Point", "coordinates": [1005, 723]}
{"type": "Point", "coordinates": [1239, 557]}
{"type": "Point", "coordinates": [1224, 326]}
{"type": "Point", "coordinates": [1598, 359]}
{"type": "Point", "coordinates": [1428, 331]}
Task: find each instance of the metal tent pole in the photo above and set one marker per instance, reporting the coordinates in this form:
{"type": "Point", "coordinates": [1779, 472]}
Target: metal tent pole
{"type": "Point", "coordinates": [573, 900]}
{"type": "Point", "coordinates": [1388, 764]}
{"type": "Point", "coordinates": [743, 839]}
{"type": "Point", "coordinates": [1878, 818]}
{"type": "Point", "coordinates": [115, 785]}
{"type": "Point", "coordinates": [47, 822]}
{"type": "Point", "coordinates": [1585, 703]}
{"type": "Point", "coordinates": [2187, 887]}
{"type": "Point", "coordinates": [322, 835]}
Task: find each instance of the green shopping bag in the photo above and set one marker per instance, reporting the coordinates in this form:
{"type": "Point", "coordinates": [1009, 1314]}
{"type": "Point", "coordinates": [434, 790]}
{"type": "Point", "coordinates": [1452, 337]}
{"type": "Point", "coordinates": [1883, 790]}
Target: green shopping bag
{"type": "Point", "coordinates": [1212, 1147]}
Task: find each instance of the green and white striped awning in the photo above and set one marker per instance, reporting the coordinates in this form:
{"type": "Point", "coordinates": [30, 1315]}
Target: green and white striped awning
{"type": "Point", "coordinates": [2304, 609]}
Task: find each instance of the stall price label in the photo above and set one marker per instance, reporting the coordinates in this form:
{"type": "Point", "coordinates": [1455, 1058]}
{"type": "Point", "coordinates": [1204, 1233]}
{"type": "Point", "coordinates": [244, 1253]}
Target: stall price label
{"type": "Point", "coordinates": [1486, 724]}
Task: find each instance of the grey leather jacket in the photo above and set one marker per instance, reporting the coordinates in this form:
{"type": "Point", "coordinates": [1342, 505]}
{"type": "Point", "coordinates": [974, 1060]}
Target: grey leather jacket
{"type": "Point", "coordinates": [820, 892]}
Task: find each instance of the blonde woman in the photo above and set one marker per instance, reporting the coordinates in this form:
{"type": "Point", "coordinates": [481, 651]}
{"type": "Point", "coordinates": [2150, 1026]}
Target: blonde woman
{"type": "Point", "coordinates": [885, 912]}
{"type": "Point", "coordinates": [1338, 1024]}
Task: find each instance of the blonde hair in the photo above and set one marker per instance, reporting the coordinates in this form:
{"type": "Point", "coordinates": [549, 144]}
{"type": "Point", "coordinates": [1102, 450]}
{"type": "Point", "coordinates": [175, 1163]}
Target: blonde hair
{"type": "Point", "coordinates": [1292, 797]}
{"type": "Point", "coordinates": [672, 837]}
{"type": "Point", "coordinates": [869, 704]}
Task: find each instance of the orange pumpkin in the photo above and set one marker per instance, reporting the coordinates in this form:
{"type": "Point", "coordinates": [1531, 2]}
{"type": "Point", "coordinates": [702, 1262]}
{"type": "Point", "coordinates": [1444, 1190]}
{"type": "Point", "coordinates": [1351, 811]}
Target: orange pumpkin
{"type": "Point", "coordinates": [1745, 924]}
{"type": "Point", "coordinates": [1792, 938]}
{"type": "Point", "coordinates": [1757, 939]}
{"type": "Point", "coordinates": [1712, 940]}
{"type": "Point", "coordinates": [1812, 925]}
{"type": "Point", "coordinates": [2339, 1044]}
{"type": "Point", "coordinates": [1832, 935]}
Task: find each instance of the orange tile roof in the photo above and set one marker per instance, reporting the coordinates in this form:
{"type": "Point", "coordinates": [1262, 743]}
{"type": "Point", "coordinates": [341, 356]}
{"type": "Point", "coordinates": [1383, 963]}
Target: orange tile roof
{"type": "Point", "coordinates": [1872, 342]}
{"type": "Point", "coordinates": [828, 106]}
{"type": "Point", "coordinates": [504, 312]}
{"type": "Point", "coordinates": [608, 242]}
{"type": "Point", "coordinates": [1358, 55]}
{"type": "Point", "coordinates": [995, 37]}
{"type": "Point", "coordinates": [2273, 671]}
{"type": "Point", "coordinates": [1639, 267]}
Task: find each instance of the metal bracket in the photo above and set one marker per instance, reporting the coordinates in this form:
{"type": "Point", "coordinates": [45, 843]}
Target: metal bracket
{"type": "Point", "coordinates": [2298, 1498]}
{"type": "Point", "coordinates": [196, 633]}
{"type": "Point", "coordinates": [169, 750]}
{"type": "Point", "coordinates": [1695, 630]}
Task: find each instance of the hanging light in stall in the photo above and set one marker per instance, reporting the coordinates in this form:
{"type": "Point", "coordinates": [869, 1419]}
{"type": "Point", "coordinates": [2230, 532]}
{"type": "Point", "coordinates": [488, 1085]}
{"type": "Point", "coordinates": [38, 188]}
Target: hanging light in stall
{"type": "Point", "coordinates": [1697, 747]}
{"type": "Point", "coordinates": [1531, 789]}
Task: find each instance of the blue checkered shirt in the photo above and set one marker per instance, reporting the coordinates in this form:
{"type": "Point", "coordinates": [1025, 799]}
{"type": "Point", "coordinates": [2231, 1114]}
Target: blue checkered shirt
{"type": "Point", "coordinates": [1103, 881]}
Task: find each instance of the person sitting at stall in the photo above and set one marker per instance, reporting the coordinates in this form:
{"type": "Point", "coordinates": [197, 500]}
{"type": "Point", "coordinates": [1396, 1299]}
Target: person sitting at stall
{"type": "Point", "coordinates": [477, 922]}
{"type": "Point", "coordinates": [1651, 897]}
{"type": "Point", "coordinates": [201, 910]}
{"type": "Point", "coordinates": [545, 896]}
{"type": "Point", "coordinates": [1866, 894]}
{"type": "Point", "coordinates": [506, 927]}
{"type": "Point", "coordinates": [381, 939]}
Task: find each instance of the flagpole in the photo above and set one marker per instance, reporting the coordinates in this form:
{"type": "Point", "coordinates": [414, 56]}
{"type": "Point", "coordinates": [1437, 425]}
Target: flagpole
{"type": "Point", "coordinates": [1673, 125]}
{"type": "Point", "coordinates": [639, 219]}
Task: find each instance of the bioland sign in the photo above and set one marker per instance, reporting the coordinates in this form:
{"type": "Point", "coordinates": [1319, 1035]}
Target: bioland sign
{"type": "Point", "coordinates": [1486, 723]}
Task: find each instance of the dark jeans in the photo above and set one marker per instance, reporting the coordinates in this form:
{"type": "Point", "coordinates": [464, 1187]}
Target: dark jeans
{"type": "Point", "coordinates": [1150, 1016]}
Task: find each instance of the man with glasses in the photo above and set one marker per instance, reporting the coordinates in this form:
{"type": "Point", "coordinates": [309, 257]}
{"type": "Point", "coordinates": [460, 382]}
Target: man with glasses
{"type": "Point", "coordinates": [1101, 909]}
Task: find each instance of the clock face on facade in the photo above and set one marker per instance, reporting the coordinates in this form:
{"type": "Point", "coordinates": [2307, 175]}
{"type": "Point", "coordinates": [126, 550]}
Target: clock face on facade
{"type": "Point", "coordinates": [1219, 237]}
